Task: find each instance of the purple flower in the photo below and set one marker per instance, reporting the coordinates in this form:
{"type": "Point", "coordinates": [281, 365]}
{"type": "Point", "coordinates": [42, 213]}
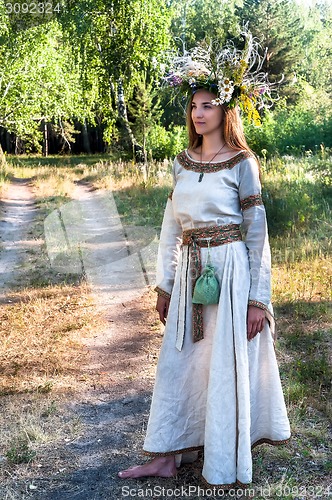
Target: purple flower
{"type": "Point", "coordinates": [174, 80]}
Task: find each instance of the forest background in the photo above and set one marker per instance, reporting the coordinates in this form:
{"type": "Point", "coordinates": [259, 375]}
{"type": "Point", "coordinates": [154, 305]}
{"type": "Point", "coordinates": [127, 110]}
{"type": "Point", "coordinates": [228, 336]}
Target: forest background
{"type": "Point", "coordinates": [85, 76]}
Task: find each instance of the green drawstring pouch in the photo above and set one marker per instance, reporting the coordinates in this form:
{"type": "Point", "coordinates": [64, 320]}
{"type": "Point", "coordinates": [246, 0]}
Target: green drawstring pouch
{"type": "Point", "coordinates": [207, 289]}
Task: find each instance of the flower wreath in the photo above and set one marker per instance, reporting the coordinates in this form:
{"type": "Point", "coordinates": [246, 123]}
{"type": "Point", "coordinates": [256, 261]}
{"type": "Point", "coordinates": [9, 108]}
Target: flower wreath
{"type": "Point", "coordinates": [234, 75]}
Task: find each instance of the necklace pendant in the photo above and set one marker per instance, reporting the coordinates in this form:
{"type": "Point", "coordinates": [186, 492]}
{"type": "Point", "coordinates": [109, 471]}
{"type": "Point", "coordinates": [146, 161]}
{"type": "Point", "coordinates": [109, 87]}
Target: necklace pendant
{"type": "Point", "coordinates": [200, 177]}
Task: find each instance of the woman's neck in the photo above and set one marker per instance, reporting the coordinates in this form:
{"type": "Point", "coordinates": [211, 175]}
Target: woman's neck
{"type": "Point", "coordinates": [212, 143]}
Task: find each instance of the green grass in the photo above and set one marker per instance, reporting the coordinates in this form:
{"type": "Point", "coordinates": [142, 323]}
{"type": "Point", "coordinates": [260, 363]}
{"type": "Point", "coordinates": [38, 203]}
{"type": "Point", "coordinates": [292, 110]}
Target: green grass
{"type": "Point", "coordinates": [298, 196]}
{"type": "Point", "coordinates": [20, 451]}
{"type": "Point", "coordinates": [64, 161]}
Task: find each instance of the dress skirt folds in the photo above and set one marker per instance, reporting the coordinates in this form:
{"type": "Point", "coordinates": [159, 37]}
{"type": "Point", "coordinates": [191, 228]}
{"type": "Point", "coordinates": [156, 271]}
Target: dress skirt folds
{"type": "Point", "coordinates": [221, 394]}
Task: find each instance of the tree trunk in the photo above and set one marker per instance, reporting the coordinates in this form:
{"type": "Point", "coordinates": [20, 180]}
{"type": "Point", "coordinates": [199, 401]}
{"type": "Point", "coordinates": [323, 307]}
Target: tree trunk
{"type": "Point", "coordinates": [122, 110]}
{"type": "Point", "coordinates": [8, 142]}
{"type": "Point", "coordinates": [3, 162]}
{"type": "Point", "coordinates": [85, 137]}
{"type": "Point", "coordinates": [18, 145]}
{"type": "Point", "coordinates": [45, 138]}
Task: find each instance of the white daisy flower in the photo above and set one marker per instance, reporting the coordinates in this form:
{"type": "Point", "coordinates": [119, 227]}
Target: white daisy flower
{"type": "Point", "coordinates": [228, 96]}
{"type": "Point", "coordinates": [225, 82]}
{"type": "Point", "coordinates": [217, 102]}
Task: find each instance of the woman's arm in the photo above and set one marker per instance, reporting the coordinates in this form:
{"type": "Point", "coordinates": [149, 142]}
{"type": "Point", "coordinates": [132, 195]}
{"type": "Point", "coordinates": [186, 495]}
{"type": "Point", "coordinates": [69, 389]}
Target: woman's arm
{"type": "Point", "coordinates": [168, 256]}
{"type": "Point", "coordinates": [168, 252]}
{"type": "Point", "coordinates": [256, 238]}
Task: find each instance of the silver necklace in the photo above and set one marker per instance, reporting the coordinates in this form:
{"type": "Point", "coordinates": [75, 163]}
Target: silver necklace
{"type": "Point", "coordinates": [208, 163]}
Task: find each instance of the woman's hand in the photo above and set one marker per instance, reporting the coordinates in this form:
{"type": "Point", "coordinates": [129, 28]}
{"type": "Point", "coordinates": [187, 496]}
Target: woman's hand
{"type": "Point", "coordinates": [162, 308]}
{"type": "Point", "coordinates": [255, 321]}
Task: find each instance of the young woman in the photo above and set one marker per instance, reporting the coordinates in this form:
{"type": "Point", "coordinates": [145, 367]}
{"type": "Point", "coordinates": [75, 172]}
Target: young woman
{"type": "Point", "coordinates": [217, 386]}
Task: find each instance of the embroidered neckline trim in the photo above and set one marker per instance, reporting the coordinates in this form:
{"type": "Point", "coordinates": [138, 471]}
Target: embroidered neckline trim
{"type": "Point", "coordinates": [195, 165]}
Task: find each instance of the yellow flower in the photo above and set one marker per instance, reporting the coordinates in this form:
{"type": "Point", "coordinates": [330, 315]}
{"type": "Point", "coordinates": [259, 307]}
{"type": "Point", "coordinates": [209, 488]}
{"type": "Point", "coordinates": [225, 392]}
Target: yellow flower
{"type": "Point", "coordinates": [248, 106]}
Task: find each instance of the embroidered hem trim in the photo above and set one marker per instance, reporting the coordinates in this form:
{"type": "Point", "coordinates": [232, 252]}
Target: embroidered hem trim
{"type": "Point", "coordinates": [256, 303]}
{"type": "Point", "coordinates": [176, 452]}
{"type": "Point", "coordinates": [204, 237]}
{"type": "Point", "coordinates": [225, 486]}
{"type": "Point", "coordinates": [162, 292]}
{"type": "Point", "coordinates": [202, 167]}
{"type": "Point", "coordinates": [197, 448]}
{"type": "Point", "coordinates": [279, 442]}
{"type": "Point", "coordinates": [251, 201]}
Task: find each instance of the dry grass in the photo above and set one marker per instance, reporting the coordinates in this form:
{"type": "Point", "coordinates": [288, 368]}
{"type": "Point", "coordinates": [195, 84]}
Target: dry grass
{"type": "Point", "coordinates": [42, 359]}
{"type": "Point", "coordinates": [43, 324]}
{"type": "Point", "coordinates": [41, 335]}
{"type": "Point", "coordinates": [47, 185]}
{"type": "Point", "coordinates": [307, 280]}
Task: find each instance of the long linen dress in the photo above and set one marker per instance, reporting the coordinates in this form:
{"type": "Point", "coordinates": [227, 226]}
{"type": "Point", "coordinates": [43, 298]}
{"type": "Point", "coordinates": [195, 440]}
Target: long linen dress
{"type": "Point", "coordinates": [223, 393]}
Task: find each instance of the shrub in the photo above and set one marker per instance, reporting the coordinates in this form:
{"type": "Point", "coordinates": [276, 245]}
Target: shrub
{"type": "Point", "coordinates": [162, 143]}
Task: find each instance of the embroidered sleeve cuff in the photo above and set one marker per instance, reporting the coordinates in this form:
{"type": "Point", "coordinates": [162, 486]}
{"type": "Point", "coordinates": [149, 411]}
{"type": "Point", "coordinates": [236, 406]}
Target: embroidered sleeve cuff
{"type": "Point", "coordinates": [162, 292]}
{"type": "Point", "coordinates": [251, 201]}
{"type": "Point", "coordinates": [256, 303]}
{"type": "Point", "coordinates": [269, 316]}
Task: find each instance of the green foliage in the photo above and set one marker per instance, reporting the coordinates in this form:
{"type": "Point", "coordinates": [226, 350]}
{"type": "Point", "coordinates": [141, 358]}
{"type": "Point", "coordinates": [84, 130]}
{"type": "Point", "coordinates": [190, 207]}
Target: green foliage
{"type": "Point", "coordinates": [67, 67]}
{"type": "Point", "coordinates": [118, 42]}
{"type": "Point", "coordinates": [278, 24]}
{"type": "Point", "coordinates": [38, 81]}
{"type": "Point", "coordinates": [315, 68]}
{"type": "Point", "coordinates": [162, 143]}
{"type": "Point", "coordinates": [20, 451]}
{"type": "Point", "coordinates": [294, 129]}
{"type": "Point", "coordinates": [145, 112]}
{"type": "Point", "coordinates": [195, 20]}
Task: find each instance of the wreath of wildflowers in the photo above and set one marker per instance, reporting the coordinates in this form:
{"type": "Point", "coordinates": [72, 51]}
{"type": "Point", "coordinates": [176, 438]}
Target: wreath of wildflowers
{"type": "Point", "coordinates": [234, 75]}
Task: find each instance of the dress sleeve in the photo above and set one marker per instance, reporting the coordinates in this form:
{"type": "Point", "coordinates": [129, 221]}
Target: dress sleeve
{"type": "Point", "coordinates": [256, 234]}
{"type": "Point", "coordinates": [169, 248]}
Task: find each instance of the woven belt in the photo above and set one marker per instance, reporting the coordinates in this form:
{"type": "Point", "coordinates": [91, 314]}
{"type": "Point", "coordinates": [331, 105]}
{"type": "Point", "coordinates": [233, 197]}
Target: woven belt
{"type": "Point", "coordinates": [195, 239]}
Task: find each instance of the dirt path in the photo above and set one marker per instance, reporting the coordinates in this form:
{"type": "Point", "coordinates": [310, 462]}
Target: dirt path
{"type": "Point", "coordinates": [17, 213]}
{"type": "Point", "coordinates": [112, 412]}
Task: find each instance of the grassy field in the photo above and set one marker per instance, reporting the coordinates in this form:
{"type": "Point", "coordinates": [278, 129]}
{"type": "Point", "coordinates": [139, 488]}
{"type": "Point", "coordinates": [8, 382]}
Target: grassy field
{"type": "Point", "coordinates": [297, 195]}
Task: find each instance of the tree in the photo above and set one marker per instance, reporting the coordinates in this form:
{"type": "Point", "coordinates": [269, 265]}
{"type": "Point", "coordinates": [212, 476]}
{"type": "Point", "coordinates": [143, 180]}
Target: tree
{"type": "Point", "coordinates": [195, 20]}
{"type": "Point", "coordinates": [145, 112]}
{"type": "Point", "coordinates": [38, 82]}
{"type": "Point", "coordinates": [316, 68]}
{"type": "Point", "coordinates": [279, 25]}
{"type": "Point", "coordinates": [122, 40]}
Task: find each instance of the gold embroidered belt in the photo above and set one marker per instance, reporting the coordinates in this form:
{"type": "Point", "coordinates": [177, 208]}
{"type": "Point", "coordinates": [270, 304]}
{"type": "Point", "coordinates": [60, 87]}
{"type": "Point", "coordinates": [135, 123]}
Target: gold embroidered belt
{"type": "Point", "coordinates": [195, 239]}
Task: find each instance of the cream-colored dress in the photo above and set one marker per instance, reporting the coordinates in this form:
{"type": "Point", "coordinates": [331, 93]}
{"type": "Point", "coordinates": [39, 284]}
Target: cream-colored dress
{"type": "Point", "coordinates": [221, 394]}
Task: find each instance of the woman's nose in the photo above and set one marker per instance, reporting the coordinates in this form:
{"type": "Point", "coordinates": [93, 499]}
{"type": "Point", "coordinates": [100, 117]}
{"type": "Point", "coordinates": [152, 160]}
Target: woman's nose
{"type": "Point", "coordinates": [198, 112]}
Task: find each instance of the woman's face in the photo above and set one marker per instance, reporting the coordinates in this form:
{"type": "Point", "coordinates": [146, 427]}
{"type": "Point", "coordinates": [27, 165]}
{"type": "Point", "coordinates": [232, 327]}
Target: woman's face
{"type": "Point", "coordinates": [206, 117]}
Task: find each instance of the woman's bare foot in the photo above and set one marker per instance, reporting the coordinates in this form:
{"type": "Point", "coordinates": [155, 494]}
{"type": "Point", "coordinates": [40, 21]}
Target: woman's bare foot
{"type": "Point", "coordinates": [159, 466]}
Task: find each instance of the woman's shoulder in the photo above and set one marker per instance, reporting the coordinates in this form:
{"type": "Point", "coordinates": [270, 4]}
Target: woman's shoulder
{"type": "Point", "coordinates": [249, 161]}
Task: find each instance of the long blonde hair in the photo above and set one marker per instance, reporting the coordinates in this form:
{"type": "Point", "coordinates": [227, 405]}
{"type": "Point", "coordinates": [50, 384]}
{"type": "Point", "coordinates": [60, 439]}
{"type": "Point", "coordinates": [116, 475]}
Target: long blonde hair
{"type": "Point", "coordinates": [232, 129]}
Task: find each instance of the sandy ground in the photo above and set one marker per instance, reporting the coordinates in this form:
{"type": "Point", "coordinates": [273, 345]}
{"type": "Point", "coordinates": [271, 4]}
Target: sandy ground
{"type": "Point", "coordinates": [18, 211]}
